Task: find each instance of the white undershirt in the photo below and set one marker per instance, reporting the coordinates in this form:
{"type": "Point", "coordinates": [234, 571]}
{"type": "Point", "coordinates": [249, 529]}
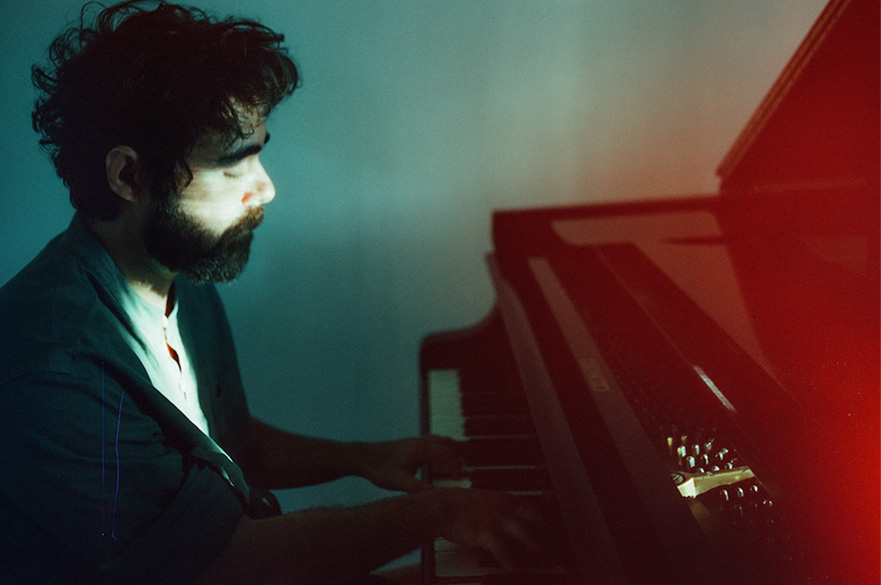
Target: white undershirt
{"type": "Point", "coordinates": [181, 390]}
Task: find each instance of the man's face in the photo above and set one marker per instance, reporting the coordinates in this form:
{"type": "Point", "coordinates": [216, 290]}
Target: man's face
{"type": "Point", "coordinates": [204, 232]}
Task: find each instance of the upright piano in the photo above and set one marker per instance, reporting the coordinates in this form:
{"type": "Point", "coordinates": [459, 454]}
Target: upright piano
{"type": "Point", "coordinates": [693, 382]}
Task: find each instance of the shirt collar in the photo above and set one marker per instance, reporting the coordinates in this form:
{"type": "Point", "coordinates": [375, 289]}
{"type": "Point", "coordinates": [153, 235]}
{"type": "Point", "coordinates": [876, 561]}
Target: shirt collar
{"type": "Point", "coordinates": [85, 245]}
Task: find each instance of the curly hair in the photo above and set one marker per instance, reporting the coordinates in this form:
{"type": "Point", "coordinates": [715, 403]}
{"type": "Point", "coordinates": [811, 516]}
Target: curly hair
{"type": "Point", "coordinates": [155, 77]}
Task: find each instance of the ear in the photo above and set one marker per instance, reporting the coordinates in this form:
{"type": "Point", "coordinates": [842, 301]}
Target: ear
{"type": "Point", "coordinates": [123, 166]}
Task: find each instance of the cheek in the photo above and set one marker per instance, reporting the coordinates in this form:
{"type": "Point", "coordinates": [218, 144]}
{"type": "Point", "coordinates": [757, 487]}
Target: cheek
{"type": "Point", "coordinates": [216, 204]}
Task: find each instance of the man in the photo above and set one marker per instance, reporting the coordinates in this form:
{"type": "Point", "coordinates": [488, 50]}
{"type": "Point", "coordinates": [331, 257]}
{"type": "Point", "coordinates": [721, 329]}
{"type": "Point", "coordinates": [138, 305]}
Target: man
{"type": "Point", "coordinates": [129, 455]}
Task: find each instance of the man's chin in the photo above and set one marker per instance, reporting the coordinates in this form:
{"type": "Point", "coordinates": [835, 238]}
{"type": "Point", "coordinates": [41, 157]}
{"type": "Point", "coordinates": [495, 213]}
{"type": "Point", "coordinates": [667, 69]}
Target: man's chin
{"type": "Point", "coordinates": [223, 269]}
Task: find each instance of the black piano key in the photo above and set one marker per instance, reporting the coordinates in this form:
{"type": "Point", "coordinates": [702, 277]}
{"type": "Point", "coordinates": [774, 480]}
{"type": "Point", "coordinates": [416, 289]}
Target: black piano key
{"type": "Point", "coordinates": [486, 426]}
{"type": "Point", "coordinates": [511, 479]}
{"type": "Point", "coordinates": [505, 451]}
{"type": "Point", "coordinates": [493, 403]}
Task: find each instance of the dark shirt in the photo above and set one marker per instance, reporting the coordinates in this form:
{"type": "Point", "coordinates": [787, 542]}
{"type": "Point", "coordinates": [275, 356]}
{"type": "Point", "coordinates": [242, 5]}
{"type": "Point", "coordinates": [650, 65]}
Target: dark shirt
{"type": "Point", "coordinates": [103, 480]}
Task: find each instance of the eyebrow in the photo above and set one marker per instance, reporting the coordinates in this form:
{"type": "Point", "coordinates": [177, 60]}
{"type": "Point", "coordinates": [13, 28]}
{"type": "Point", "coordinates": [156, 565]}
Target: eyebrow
{"type": "Point", "coordinates": [244, 151]}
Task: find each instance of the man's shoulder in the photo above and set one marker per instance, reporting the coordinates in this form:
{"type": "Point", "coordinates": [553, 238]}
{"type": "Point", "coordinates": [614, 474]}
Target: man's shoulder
{"type": "Point", "coordinates": [48, 287]}
{"type": "Point", "coordinates": [47, 307]}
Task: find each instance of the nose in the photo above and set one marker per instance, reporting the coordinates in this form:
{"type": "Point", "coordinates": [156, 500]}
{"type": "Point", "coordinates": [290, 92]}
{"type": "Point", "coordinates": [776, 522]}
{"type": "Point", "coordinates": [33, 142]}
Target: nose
{"type": "Point", "coordinates": [262, 191]}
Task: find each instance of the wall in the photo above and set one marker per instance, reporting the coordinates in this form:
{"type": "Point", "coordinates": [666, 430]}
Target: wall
{"type": "Point", "coordinates": [415, 119]}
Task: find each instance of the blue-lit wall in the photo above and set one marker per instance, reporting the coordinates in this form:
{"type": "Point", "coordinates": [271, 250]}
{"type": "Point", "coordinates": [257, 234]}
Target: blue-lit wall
{"type": "Point", "coordinates": [415, 119]}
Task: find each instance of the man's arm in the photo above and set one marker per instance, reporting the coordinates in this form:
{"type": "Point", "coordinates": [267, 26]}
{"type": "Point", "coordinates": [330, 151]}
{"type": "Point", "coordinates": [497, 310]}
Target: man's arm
{"type": "Point", "coordinates": [285, 460]}
{"type": "Point", "coordinates": [338, 545]}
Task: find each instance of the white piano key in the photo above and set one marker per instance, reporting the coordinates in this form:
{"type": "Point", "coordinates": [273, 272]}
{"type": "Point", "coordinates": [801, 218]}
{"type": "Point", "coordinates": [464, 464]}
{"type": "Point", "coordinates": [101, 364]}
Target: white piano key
{"type": "Point", "coordinates": [445, 404]}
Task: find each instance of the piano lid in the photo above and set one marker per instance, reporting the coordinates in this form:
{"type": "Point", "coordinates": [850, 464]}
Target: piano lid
{"type": "Point", "coordinates": [786, 260]}
{"type": "Point", "coordinates": [818, 124]}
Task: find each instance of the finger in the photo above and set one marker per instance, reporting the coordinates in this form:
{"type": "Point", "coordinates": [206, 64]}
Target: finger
{"type": "Point", "coordinates": [406, 483]}
{"type": "Point", "coordinates": [443, 454]}
{"type": "Point", "coordinates": [499, 549]}
{"type": "Point", "coordinates": [442, 440]}
{"type": "Point", "coordinates": [449, 447]}
{"type": "Point", "coordinates": [518, 532]}
{"type": "Point", "coordinates": [528, 512]}
{"type": "Point", "coordinates": [414, 486]}
{"type": "Point", "coordinates": [440, 446]}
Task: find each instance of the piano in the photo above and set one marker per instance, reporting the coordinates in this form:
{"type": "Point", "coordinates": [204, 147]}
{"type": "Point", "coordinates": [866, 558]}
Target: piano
{"type": "Point", "coordinates": [693, 383]}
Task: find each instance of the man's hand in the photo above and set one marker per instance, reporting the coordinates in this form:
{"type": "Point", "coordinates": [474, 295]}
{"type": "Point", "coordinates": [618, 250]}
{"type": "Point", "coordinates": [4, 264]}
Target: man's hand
{"type": "Point", "coordinates": [304, 546]}
{"type": "Point", "coordinates": [393, 465]}
{"type": "Point", "coordinates": [285, 460]}
{"type": "Point", "coordinates": [511, 528]}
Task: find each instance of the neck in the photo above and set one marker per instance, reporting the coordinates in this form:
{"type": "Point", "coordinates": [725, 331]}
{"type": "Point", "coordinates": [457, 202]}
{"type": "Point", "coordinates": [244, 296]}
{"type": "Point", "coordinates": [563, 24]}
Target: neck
{"type": "Point", "coordinates": [124, 241]}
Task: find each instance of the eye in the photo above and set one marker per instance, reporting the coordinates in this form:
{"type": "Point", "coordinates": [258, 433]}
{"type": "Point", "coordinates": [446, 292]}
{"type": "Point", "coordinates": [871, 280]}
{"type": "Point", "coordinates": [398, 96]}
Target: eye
{"type": "Point", "coordinates": [236, 170]}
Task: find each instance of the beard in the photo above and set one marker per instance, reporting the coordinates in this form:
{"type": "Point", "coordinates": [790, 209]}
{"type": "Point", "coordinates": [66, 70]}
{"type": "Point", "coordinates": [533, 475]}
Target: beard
{"type": "Point", "coordinates": [183, 245]}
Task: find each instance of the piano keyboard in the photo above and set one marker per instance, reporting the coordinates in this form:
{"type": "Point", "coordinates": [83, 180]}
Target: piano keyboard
{"type": "Point", "coordinates": [500, 451]}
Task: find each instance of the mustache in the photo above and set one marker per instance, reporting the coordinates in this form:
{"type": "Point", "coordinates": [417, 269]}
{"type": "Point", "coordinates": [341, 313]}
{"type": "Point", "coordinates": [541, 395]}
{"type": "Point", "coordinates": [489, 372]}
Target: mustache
{"type": "Point", "coordinates": [246, 224]}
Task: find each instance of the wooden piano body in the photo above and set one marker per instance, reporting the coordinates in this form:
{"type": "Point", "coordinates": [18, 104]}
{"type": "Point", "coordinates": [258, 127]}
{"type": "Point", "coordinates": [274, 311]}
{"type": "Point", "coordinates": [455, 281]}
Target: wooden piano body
{"type": "Point", "coordinates": [702, 374]}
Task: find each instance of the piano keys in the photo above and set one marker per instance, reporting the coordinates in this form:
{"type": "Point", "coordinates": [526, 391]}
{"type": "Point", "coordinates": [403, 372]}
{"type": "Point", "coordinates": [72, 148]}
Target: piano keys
{"type": "Point", "coordinates": [500, 451]}
{"type": "Point", "coordinates": [694, 383]}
